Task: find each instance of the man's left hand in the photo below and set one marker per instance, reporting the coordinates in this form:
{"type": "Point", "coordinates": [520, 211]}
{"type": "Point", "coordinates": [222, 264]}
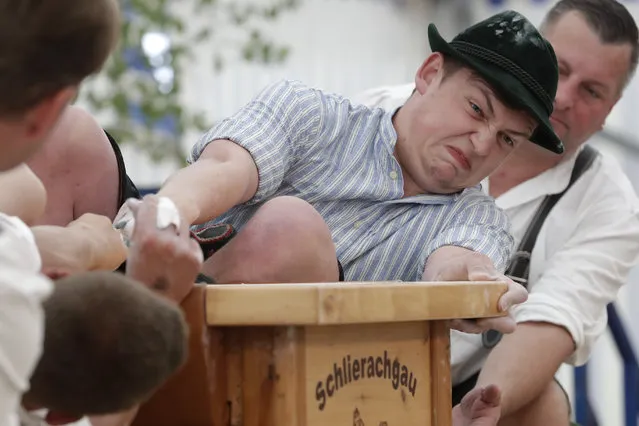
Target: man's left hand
{"type": "Point", "coordinates": [459, 264]}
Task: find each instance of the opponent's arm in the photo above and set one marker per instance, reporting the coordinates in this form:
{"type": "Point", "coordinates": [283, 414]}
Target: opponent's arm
{"type": "Point", "coordinates": [88, 243]}
{"type": "Point", "coordinates": [23, 194]}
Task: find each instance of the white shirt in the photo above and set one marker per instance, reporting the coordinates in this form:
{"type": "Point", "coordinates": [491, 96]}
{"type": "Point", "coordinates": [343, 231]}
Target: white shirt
{"type": "Point", "coordinates": [583, 254]}
{"type": "Point", "coordinates": [22, 291]}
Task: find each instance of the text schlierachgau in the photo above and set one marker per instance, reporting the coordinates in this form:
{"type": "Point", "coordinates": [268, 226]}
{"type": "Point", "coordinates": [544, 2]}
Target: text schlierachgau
{"type": "Point", "coordinates": [352, 369]}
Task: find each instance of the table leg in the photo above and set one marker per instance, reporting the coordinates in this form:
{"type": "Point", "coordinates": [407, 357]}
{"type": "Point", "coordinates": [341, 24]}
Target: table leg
{"type": "Point", "coordinates": [440, 374]}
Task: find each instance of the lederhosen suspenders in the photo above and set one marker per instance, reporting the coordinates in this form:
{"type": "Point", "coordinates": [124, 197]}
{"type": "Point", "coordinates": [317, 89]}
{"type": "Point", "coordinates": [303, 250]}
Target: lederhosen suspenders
{"type": "Point", "coordinates": [127, 187]}
{"type": "Point", "coordinates": [518, 269]}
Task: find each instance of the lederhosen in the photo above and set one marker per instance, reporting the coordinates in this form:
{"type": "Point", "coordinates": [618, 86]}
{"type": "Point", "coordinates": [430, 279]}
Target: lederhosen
{"type": "Point", "coordinates": [518, 269]}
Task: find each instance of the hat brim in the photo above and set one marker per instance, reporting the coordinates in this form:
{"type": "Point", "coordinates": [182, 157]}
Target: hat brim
{"type": "Point", "coordinates": [508, 87]}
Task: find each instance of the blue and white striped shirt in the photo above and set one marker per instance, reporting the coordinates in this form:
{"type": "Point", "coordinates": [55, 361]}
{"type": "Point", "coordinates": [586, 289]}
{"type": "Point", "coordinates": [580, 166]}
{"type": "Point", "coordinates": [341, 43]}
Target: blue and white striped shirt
{"type": "Point", "coordinates": [339, 158]}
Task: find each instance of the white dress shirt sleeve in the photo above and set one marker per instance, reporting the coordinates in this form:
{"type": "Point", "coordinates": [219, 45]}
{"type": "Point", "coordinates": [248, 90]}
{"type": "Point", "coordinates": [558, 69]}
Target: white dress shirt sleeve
{"type": "Point", "coordinates": [22, 290]}
{"type": "Point", "coordinates": [582, 257]}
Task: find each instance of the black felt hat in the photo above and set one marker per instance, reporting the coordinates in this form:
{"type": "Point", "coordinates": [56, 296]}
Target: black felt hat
{"type": "Point", "coordinates": [509, 53]}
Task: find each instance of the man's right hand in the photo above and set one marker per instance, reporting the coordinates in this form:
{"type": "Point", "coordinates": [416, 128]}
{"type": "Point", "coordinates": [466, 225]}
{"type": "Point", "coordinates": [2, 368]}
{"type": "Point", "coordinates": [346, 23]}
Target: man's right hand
{"type": "Point", "coordinates": [106, 248]}
{"type": "Point", "coordinates": [165, 259]}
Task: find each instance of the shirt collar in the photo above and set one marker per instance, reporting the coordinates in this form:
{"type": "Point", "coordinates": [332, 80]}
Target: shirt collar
{"type": "Point", "coordinates": [552, 181]}
{"type": "Point", "coordinates": [388, 136]}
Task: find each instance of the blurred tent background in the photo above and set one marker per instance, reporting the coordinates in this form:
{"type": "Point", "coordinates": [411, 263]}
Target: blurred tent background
{"type": "Point", "coordinates": [185, 64]}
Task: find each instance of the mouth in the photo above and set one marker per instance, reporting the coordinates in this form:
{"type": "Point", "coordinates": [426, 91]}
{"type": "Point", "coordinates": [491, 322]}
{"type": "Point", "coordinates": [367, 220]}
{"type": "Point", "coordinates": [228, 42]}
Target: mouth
{"type": "Point", "coordinates": [459, 157]}
{"type": "Point", "coordinates": [556, 121]}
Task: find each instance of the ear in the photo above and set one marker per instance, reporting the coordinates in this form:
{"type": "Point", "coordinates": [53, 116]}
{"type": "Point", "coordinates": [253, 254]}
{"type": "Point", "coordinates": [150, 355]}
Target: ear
{"type": "Point", "coordinates": [44, 116]}
{"type": "Point", "coordinates": [428, 71]}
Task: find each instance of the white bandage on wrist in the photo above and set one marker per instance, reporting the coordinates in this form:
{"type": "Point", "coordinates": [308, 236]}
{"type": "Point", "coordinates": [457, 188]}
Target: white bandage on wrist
{"type": "Point", "coordinates": [167, 215]}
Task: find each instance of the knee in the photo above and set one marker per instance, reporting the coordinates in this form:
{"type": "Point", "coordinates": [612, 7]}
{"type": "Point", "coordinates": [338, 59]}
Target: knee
{"type": "Point", "coordinates": [285, 241]}
{"type": "Point", "coordinates": [290, 222]}
{"type": "Point", "coordinates": [551, 407]}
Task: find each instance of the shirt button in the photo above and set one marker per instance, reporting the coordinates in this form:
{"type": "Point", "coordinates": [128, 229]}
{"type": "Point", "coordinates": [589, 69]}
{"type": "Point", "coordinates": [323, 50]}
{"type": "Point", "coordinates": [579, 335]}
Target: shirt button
{"type": "Point", "coordinates": [357, 224]}
{"type": "Point", "coordinates": [393, 175]}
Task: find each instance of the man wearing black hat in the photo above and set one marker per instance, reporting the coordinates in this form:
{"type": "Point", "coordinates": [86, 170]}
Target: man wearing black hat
{"type": "Point", "coordinates": [321, 190]}
{"type": "Point", "coordinates": [577, 261]}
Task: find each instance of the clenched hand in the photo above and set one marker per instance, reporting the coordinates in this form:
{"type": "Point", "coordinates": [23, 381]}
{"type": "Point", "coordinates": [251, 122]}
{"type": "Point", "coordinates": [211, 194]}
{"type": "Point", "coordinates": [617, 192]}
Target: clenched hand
{"type": "Point", "coordinates": [167, 260]}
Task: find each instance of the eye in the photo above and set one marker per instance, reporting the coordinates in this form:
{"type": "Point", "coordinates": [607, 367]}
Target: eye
{"type": "Point", "coordinates": [476, 108]}
{"type": "Point", "coordinates": [508, 140]}
{"type": "Point", "coordinates": [593, 93]}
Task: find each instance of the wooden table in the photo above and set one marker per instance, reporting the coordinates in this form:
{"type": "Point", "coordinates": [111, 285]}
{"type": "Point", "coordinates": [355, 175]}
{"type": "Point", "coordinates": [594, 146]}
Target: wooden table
{"type": "Point", "coordinates": [331, 354]}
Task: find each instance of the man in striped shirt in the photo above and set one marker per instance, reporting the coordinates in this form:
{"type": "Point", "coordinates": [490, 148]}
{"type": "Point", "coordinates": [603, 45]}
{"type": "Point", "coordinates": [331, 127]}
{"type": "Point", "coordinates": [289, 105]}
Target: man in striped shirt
{"type": "Point", "coordinates": [316, 185]}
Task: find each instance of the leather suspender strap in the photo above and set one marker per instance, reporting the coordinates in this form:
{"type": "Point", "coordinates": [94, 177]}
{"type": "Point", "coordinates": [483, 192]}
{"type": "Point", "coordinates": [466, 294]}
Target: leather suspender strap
{"type": "Point", "coordinates": [519, 265]}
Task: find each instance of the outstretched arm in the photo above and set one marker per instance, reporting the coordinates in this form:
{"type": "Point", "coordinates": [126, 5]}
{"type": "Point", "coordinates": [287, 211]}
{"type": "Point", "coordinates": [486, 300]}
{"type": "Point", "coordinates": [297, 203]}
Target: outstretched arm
{"type": "Point", "coordinates": [88, 243]}
{"type": "Point", "coordinates": [245, 157]}
{"type": "Point", "coordinates": [223, 176]}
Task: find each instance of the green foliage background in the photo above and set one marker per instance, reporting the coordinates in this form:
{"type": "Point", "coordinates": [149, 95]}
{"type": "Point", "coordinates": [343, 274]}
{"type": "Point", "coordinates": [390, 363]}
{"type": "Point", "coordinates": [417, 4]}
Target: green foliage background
{"type": "Point", "coordinates": [126, 84]}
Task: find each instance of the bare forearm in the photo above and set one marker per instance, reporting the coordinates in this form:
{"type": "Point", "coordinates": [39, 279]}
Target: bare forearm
{"type": "Point", "coordinates": [63, 248]}
{"type": "Point", "coordinates": [525, 362]}
{"type": "Point", "coordinates": [224, 176]}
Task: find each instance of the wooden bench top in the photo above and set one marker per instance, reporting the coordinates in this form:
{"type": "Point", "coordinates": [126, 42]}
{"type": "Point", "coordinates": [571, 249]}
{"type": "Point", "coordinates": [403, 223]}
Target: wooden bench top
{"type": "Point", "coordinates": [349, 303]}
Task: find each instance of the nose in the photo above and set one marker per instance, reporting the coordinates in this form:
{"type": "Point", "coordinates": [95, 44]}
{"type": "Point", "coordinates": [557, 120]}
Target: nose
{"type": "Point", "coordinates": [483, 140]}
{"type": "Point", "coordinates": [565, 96]}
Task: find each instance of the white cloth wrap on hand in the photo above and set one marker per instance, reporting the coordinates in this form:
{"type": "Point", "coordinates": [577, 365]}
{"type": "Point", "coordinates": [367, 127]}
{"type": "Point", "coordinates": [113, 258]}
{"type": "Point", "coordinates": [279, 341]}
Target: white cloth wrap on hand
{"type": "Point", "coordinates": [167, 215]}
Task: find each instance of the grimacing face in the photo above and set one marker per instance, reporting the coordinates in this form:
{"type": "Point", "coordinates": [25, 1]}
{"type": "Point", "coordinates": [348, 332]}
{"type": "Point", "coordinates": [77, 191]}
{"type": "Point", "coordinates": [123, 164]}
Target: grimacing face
{"type": "Point", "coordinates": [454, 131]}
{"type": "Point", "coordinates": [591, 78]}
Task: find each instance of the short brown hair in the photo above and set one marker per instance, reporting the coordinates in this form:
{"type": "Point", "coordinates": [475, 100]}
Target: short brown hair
{"type": "Point", "coordinates": [109, 343]}
{"type": "Point", "coordinates": [609, 19]}
{"type": "Point", "coordinates": [46, 46]}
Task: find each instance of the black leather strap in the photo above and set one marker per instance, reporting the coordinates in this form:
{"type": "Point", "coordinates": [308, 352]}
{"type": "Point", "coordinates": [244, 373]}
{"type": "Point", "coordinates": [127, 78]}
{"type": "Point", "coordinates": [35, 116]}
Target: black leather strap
{"type": "Point", "coordinates": [127, 187]}
{"type": "Point", "coordinates": [520, 263]}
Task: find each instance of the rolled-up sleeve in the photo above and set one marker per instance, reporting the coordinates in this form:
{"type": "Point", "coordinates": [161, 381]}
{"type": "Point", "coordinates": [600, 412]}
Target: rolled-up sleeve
{"type": "Point", "coordinates": [585, 275]}
{"type": "Point", "coordinates": [274, 128]}
{"type": "Point", "coordinates": [478, 225]}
